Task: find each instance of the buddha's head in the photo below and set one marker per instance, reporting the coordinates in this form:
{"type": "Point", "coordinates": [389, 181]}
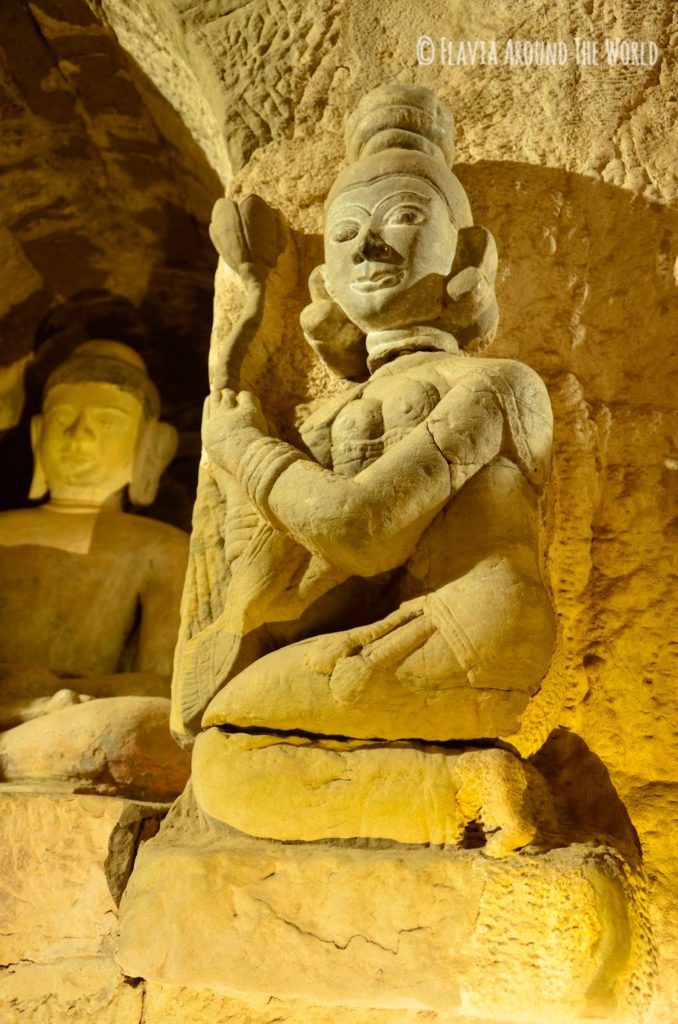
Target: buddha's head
{"type": "Point", "coordinates": [401, 249]}
{"type": "Point", "coordinates": [99, 431]}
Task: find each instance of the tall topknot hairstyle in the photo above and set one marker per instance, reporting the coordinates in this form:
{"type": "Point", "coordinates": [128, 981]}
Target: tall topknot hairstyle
{"type": "Point", "coordinates": [406, 130]}
{"type": "Point", "coordinates": [403, 129]}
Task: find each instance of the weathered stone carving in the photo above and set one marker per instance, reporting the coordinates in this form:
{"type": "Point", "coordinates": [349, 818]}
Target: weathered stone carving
{"type": "Point", "coordinates": [401, 543]}
{"type": "Point", "coordinates": [89, 594]}
{"type": "Point", "coordinates": [368, 648]}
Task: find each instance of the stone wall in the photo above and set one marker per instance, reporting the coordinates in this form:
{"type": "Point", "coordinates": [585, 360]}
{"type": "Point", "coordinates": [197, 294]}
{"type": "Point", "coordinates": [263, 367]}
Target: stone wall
{"type": "Point", "coordinates": [104, 200]}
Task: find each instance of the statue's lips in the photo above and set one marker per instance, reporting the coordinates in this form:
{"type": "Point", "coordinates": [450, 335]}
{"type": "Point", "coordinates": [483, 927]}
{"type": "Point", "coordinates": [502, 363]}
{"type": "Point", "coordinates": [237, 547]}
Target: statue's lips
{"type": "Point", "coordinates": [384, 277]}
{"type": "Point", "coordinates": [77, 459]}
{"type": "Point", "coordinates": [78, 463]}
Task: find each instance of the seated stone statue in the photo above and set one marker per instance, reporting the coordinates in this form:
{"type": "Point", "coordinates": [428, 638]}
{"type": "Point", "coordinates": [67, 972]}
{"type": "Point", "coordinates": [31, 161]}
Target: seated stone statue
{"type": "Point", "coordinates": [384, 622]}
{"type": "Point", "coordinates": [89, 594]}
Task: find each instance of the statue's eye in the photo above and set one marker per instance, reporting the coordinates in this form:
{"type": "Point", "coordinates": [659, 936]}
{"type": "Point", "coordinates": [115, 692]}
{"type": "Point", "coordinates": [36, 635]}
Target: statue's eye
{"type": "Point", "coordinates": [406, 215]}
{"type": "Point", "coordinates": [344, 231]}
{"type": "Point", "coordinates": [109, 419]}
{"type": "Point", "coordinates": [61, 415]}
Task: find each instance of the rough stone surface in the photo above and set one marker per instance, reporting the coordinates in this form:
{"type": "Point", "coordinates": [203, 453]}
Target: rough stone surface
{"type": "Point", "coordinates": [56, 900]}
{"type": "Point", "coordinates": [64, 860]}
{"type": "Point", "coordinates": [262, 786]}
{"type": "Point", "coordinates": [69, 992]}
{"type": "Point", "coordinates": [573, 172]}
{"type": "Point", "coordinates": [177, 1005]}
{"type": "Point", "coordinates": [104, 201]}
{"type": "Point", "coordinates": [256, 72]}
{"type": "Point", "coordinates": [527, 938]}
{"type": "Point", "coordinates": [116, 745]}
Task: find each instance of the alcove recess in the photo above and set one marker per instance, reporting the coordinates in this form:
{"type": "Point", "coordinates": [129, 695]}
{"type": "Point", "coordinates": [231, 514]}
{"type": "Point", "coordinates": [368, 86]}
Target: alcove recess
{"type": "Point", "coordinates": [105, 200]}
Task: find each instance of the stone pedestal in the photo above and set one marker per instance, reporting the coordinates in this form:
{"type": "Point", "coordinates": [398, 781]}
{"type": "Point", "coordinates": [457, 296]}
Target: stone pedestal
{"type": "Point", "coordinates": [544, 936]}
{"type": "Point", "coordinates": [64, 860]}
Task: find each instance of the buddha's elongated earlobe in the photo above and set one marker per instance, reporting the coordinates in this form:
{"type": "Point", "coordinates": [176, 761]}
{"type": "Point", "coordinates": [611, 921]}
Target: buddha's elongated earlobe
{"type": "Point", "coordinates": [329, 332]}
{"type": "Point", "coordinates": [471, 308]}
{"type": "Point", "coordinates": [38, 488]}
{"type": "Point", "coordinates": [156, 448]}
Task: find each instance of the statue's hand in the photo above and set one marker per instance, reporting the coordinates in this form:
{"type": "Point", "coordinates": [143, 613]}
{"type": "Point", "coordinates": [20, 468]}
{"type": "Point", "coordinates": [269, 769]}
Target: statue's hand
{"type": "Point", "coordinates": [230, 423]}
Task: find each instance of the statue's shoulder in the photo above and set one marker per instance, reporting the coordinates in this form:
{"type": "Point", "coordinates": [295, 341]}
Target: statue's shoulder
{"type": "Point", "coordinates": [16, 523]}
{"type": "Point", "coordinates": [152, 534]}
{"type": "Point", "coordinates": [509, 378]}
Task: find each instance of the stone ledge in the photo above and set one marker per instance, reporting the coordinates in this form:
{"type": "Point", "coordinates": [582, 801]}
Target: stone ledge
{"type": "Point", "coordinates": [551, 936]}
{"type": "Point", "coordinates": [76, 990]}
{"type": "Point", "coordinates": [63, 857]}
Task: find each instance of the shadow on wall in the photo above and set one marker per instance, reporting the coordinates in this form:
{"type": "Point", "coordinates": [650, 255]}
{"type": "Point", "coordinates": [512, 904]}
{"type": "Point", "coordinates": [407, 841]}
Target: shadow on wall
{"type": "Point", "coordinates": [585, 287]}
{"type": "Point", "coordinates": [587, 806]}
{"type": "Point", "coordinates": [585, 281]}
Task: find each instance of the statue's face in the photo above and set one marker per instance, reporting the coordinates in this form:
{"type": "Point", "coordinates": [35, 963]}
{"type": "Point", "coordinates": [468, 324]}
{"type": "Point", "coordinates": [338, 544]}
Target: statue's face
{"type": "Point", "coordinates": [389, 248]}
{"type": "Point", "coordinates": [88, 439]}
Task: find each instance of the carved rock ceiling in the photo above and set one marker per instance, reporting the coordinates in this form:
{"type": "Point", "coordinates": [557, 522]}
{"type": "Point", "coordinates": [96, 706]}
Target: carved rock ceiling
{"type": "Point", "coordinates": [104, 199]}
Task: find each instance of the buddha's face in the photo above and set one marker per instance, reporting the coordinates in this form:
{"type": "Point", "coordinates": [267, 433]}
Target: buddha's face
{"type": "Point", "coordinates": [389, 248]}
{"type": "Point", "coordinates": [88, 440]}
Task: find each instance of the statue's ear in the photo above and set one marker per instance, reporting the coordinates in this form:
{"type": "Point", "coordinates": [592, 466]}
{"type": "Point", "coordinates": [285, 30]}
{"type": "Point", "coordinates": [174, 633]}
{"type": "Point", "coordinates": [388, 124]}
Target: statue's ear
{"type": "Point", "coordinates": [471, 308]}
{"type": "Point", "coordinates": [38, 487]}
{"type": "Point", "coordinates": [329, 332]}
{"type": "Point", "coordinates": [156, 448]}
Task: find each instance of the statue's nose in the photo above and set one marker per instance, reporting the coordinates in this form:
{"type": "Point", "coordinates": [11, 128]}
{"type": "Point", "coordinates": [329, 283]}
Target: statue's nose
{"type": "Point", "coordinates": [372, 247]}
{"type": "Point", "coordinates": [80, 427]}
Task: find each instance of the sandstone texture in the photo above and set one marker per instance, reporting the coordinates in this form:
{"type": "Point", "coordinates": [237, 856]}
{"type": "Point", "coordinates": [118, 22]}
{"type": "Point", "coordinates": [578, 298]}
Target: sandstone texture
{"type": "Point", "coordinates": [62, 855]}
{"type": "Point", "coordinates": [65, 860]}
{"type": "Point", "coordinates": [573, 171]}
{"type": "Point", "coordinates": [116, 745]}
{"type": "Point", "coordinates": [527, 938]}
{"type": "Point", "coordinates": [342, 790]}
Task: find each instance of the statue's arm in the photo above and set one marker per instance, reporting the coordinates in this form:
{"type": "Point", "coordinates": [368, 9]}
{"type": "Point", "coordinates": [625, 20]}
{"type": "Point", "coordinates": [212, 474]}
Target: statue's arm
{"type": "Point", "coordinates": [369, 523]}
{"type": "Point", "coordinates": [160, 598]}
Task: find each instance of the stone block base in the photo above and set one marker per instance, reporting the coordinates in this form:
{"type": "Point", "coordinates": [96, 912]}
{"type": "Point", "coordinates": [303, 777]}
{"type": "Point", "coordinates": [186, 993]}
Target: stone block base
{"type": "Point", "coordinates": [536, 937]}
{"type": "Point", "coordinates": [77, 990]}
{"type": "Point", "coordinates": [64, 859]}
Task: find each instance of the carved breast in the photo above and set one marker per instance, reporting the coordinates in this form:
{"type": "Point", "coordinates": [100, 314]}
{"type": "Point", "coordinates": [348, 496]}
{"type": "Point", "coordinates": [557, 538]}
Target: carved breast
{"type": "Point", "coordinates": [385, 413]}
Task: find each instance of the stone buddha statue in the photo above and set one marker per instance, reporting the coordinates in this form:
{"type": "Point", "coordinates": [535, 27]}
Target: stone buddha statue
{"type": "Point", "coordinates": [89, 593]}
{"type": "Point", "coordinates": [383, 627]}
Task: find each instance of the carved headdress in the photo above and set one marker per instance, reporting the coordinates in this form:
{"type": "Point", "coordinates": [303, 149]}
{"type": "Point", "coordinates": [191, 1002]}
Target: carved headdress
{"type": "Point", "coordinates": [405, 130]}
{"type": "Point", "coordinates": [109, 362]}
